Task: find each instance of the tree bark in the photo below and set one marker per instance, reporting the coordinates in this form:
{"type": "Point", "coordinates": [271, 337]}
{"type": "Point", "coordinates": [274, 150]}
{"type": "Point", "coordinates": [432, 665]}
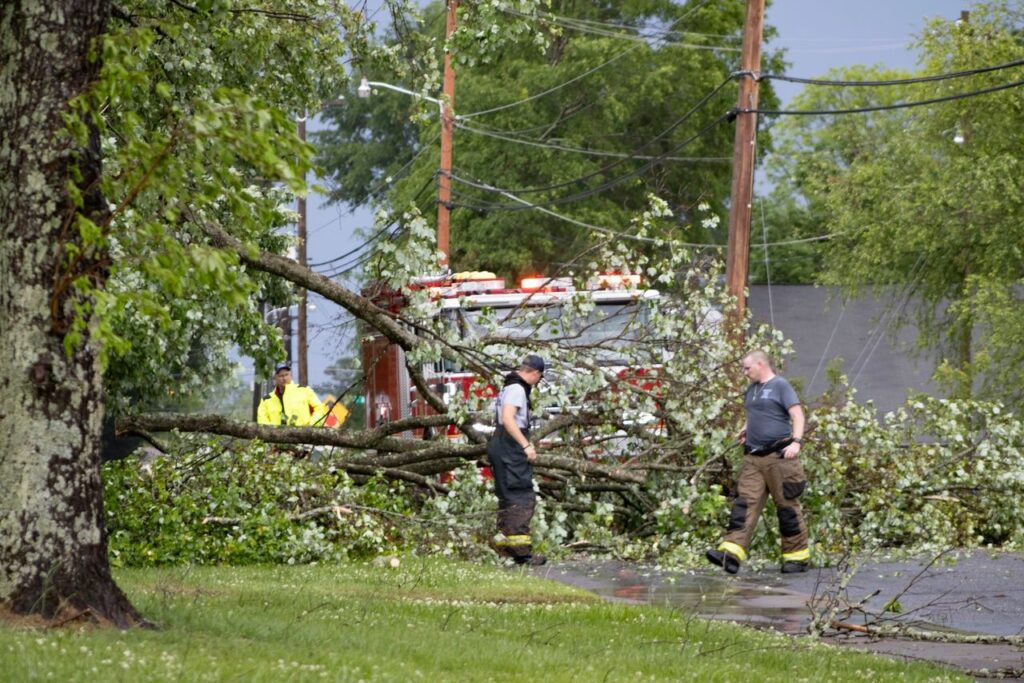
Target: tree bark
{"type": "Point", "coordinates": [53, 546]}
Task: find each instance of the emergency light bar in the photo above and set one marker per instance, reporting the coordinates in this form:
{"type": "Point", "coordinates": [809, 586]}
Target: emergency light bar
{"type": "Point", "coordinates": [553, 284]}
{"type": "Point", "coordinates": [614, 281]}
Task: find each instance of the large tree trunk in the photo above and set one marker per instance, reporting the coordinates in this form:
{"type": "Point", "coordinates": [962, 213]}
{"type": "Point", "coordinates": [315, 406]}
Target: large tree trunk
{"type": "Point", "coordinates": [53, 549]}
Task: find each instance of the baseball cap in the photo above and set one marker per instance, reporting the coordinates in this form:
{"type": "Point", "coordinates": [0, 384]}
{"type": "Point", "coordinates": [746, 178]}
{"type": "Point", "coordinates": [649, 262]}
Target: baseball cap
{"type": "Point", "coordinates": [282, 366]}
{"type": "Point", "coordinates": [535, 363]}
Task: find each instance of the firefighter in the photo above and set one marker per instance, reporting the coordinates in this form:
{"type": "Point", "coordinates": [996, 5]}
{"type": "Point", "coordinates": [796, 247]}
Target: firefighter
{"type": "Point", "coordinates": [512, 456]}
{"type": "Point", "coordinates": [290, 405]}
{"type": "Point", "coordinates": [771, 438]}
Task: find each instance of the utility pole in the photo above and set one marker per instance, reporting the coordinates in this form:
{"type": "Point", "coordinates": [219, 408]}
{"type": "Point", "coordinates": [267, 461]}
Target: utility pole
{"type": "Point", "coordinates": [745, 147]}
{"type": "Point", "coordinates": [444, 192]}
{"type": "Point", "coordinates": [303, 375]}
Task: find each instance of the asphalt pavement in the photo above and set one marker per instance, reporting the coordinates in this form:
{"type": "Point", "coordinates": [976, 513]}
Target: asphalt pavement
{"type": "Point", "coordinates": [969, 593]}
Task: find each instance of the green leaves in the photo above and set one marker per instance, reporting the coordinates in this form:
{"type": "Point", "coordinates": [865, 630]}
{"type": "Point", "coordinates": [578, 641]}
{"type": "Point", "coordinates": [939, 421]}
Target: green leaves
{"type": "Point", "coordinates": [194, 111]}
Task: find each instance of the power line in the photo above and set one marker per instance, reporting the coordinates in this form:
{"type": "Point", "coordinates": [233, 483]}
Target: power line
{"type": "Point", "coordinates": [599, 188]}
{"type": "Point", "coordinates": [607, 167]}
{"type": "Point", "coordinates": [361, 260]}
{"type": "Point", "coordinates": [633, 35]}
{"type": "Point", "coordinates": [377, 234]}
{"type": "Point", "coordinates": [881, 107]}
{"type": "Point", "coordinates": [575, 78]}
{"type": "Point", "coordinates": [549, 90]}
{"type": "Point", "coordinates": [577, 150]}
{"type": "Point", "coordinates": [894, 81]}
{"type": "Point", "coordinates": [615, 233]}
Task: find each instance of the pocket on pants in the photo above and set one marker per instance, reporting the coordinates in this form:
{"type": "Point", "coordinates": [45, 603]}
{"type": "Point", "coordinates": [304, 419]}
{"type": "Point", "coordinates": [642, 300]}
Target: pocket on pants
{"type": "Point", "coordinates": [520, 473]}
{"type": "Point", "coordinates": [794, 481]}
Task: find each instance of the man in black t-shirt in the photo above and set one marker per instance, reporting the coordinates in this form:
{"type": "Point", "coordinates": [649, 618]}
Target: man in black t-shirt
{"type": "Point", "coordinates": [772, 438]}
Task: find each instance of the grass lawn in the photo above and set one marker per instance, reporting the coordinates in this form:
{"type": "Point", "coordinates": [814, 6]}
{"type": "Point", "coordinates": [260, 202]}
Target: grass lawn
{"type": "Point", "coordinates": [429, 619]}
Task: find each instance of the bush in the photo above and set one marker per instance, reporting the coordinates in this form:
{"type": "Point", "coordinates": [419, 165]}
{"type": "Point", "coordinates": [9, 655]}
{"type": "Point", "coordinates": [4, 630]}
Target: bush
{"type": "Point", "coordinates": [246, 504]}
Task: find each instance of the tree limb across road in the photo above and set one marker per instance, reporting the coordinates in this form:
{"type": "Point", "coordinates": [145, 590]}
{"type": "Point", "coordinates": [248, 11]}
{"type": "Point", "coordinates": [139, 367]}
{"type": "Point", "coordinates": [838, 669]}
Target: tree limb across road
{"type": "Point", "coordinates": [376, 448]}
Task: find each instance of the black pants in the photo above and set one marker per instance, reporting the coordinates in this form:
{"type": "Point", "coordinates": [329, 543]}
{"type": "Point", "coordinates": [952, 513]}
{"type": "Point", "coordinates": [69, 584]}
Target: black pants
{"type": "Point", "coordinates": [513, 483]}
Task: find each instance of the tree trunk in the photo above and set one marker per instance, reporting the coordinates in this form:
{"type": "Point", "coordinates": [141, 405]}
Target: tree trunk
{"type": "Point", "coordinates": [53, 548]}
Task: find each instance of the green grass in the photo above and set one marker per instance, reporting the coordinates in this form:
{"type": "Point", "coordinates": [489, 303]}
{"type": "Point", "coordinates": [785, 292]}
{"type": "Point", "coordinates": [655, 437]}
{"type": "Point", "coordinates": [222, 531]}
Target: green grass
{"type": "Point", "coordinates": [429, 619]}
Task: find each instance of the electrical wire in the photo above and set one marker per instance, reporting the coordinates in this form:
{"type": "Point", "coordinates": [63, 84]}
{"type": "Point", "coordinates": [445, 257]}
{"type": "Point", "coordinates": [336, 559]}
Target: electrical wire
{"type": "Point", "coordinates": [549, 90]}
{"type": "Point", "coordinates": [894, 81]}
{"type": "Point", "coordinates": [621, 235]}
{"type": "Point", "coordinates": [376, 235]}
{"type": "Point", "coordinates": [577, 150]}
{"type": "Point", "coordinates": [828, 345]}
{"type": "Point", "coordinates": [767, 264]}
{"type": "Point", "coordinates": [575, 78]}
{"type": "Point", "coordinates": [568, 219]}
{"type": "Point", "coordinates": [607, 167]}
{"type": "Point", "coordinates": [881, 107]}
{"type": "Point", "coordinates": [878, 333]}
{"type": "Point", "coordinates": [633, 35]}
{"type": "Point", "coordinates": [594, 190]}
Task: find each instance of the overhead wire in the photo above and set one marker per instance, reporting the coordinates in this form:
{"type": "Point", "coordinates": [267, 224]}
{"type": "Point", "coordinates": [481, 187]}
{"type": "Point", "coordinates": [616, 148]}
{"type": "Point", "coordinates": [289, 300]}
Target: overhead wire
{"type": "Point", "coordinates": [878, 333]}
{"type": "Point", "coordinates": [568, 199]}
{"type": "Point", "coordinates": [634, 32]}
{"type": "Point", "coordinates": [549, 90]}
{"type": "Point", "coordinates": [607, 167]}
{"type": "Point", "coordinates": [389, 181]}
{"type": "Point", "coordinates": [575, 78]}
{"type": "Point", "coordinates": [341, 268]}
{"type": "Point", "coordinates": [568, 219]}
{"type": "Point", "coordinates": [893, 81]}
{"type": "Point", "coordinates": [622, 235]}
{"type": "Point", "coordinates": [577, 150]}
{"type": "Point", "coordinates": [881, 107]}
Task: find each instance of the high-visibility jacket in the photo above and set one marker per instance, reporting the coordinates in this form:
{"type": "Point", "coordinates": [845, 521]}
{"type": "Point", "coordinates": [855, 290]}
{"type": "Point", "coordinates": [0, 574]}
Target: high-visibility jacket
{"type": "Point", "coordinates": [298, 406]}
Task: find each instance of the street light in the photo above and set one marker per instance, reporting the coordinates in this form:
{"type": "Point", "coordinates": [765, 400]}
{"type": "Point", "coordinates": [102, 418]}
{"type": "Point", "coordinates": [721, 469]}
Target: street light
{"type": "Point", "coordinates": [366, 87]}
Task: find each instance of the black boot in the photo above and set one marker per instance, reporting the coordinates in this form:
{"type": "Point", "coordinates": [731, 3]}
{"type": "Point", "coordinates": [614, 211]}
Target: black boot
{"type": "Point", "coordinates": [534, 560]}
{"type": "Point", "coordinates": [795, 567]}
{"type": "Point", "coordinates": [724, 559]}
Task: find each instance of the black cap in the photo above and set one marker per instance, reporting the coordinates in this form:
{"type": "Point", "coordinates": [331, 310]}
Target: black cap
{"type": "Point", "coordinates": [534, 363]}
{"type": "Point", "coordinates": [282, 366]}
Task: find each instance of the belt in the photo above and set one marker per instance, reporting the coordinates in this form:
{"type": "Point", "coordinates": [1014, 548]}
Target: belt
{"type": "Point", "coordinates": [772, 449]}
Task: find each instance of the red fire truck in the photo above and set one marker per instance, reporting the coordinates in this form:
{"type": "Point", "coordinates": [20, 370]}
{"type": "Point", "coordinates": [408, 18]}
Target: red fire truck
{"type": "Point", "coordinates": [465, 300]}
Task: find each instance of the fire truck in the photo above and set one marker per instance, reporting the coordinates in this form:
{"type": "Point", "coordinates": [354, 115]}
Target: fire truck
{"type": "Point", "coordinates": [466, 300]}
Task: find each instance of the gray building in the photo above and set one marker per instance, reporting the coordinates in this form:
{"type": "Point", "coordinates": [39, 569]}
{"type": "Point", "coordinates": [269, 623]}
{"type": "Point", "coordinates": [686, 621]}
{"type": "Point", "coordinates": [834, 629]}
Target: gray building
{"type": "Point", "coordinates": [823, 327]}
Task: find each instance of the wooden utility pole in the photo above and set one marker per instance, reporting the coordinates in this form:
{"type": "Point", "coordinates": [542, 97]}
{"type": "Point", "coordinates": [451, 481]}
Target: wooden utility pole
{"type": "Point", "coordinates": [743, 158]}
{"type": "Point", "coordinates": [444, 192]}
{"type": "Point", "coordinates": [303, 374]}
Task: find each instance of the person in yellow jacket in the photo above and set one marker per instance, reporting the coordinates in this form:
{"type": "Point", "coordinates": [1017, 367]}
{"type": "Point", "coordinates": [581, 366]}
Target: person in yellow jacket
{"type": "Point", "coordinates": [290, 405]}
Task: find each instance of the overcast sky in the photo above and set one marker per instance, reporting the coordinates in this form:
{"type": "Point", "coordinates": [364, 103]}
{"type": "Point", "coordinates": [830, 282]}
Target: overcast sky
{"type": "Point", "coordinates": [818, 35]}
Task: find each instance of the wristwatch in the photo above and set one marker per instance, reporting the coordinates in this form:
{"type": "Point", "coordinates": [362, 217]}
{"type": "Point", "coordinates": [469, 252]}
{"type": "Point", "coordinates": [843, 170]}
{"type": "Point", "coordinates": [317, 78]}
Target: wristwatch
{"type": "Point", "coordinates": [799, 441]}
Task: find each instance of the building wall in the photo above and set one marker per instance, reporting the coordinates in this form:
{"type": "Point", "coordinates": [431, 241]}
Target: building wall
{"type": "Point", "coordinates": [822, 327]}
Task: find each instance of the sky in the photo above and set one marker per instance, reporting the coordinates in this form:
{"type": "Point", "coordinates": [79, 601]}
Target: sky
{"type": "Point", "coordinates": [818, 34]}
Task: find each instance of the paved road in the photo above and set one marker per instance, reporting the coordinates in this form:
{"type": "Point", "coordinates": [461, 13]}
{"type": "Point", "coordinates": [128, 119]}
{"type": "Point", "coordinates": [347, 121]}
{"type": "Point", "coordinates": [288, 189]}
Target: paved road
{"type": "Point", "coordinates": [977, 593]}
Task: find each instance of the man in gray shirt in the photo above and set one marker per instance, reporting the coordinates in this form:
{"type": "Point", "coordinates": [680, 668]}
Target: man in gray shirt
{"type": "Point", "coordinates": [772, 438]}
{"type": "Point", "coordinates": [512, 455]}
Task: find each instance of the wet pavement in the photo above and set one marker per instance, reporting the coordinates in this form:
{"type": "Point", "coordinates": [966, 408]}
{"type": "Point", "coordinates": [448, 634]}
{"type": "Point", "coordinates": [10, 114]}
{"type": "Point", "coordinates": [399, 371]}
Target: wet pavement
{"type": "Point", "coordinates": [978, 593]}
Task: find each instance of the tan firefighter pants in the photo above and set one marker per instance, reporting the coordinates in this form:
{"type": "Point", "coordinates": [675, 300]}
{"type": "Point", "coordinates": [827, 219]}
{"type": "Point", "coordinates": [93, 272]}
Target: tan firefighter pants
{"type": "Point", "coordinates": [785, 481]}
